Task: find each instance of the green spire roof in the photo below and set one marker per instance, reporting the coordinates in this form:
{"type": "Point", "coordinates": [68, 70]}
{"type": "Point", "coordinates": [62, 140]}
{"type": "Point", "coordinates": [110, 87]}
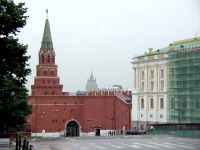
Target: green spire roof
{"type": "Point", "coordinates": [47, 32]}
{"type": "Point", "coordinates": [47, 44]}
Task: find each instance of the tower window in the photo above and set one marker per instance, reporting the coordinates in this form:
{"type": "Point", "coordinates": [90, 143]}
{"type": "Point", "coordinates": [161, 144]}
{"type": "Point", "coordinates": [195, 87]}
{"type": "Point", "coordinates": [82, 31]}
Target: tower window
{"type": "Point", "coordinates": [48, 59]}
{"type": "Point", "coordinates": [42, 59]}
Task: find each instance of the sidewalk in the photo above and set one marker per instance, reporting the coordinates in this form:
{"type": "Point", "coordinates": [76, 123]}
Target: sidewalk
{"type": "Point", "coordinates": [5, 144]}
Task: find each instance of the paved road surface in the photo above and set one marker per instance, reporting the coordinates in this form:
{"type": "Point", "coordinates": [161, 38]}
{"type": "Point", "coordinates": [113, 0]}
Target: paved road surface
{"type": "Point", "coordinates": [145, 142]}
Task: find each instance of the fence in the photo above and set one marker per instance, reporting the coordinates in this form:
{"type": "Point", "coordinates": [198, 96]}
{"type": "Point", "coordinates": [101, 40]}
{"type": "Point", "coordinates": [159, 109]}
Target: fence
{"type": "Point", "coordinates": [175, 129]}
{"type": "Point", "coordinates": [22, 143]}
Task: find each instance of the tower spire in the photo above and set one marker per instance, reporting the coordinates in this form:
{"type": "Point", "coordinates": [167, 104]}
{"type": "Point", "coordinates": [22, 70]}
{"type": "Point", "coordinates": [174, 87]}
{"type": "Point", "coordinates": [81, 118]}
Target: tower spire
{"type": "Point", "coordinates": [91, 76]}
{"type": "Point", "coordinates": [46, 13]}
{"type": "Point", "coordinates": [47, 43]}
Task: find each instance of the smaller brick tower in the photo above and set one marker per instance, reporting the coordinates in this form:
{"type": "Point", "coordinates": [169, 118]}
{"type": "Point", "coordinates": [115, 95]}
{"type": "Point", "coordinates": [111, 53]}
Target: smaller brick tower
{"type": "Point", "coordinates": [46, 81]}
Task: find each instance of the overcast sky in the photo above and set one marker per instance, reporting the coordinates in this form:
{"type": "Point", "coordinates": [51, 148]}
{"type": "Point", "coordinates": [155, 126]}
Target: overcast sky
{"type": "Point", "coordinates": [104, 35]}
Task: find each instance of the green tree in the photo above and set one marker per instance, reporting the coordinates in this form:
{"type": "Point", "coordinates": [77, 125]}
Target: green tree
{"type": "Point", "coordinates": [14, 105]}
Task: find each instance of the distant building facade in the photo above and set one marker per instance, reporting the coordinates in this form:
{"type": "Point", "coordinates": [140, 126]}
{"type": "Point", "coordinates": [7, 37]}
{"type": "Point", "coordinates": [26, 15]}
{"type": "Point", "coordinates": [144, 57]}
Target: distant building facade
{"type": "Point", "coordinates": [166, 85]}
{"type": "Point", "coordinates": [55, 112]}
{"type": "Point", "coordinates": [150, 92]}
{"type": "Point", "coordinates": [91, 84]}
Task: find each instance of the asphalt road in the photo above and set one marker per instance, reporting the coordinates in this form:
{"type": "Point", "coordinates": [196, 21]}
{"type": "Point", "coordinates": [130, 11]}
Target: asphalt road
{"type": "Point", "coordinates": [144, 142]}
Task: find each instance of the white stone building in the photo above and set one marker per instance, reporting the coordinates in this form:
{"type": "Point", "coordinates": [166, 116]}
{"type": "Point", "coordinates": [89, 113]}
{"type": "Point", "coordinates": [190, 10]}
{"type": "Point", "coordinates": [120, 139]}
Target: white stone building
{"type": "Point", "coordinates": [150, 88]}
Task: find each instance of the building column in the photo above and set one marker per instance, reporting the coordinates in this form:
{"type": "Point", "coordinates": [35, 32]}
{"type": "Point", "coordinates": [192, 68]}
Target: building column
{"type": "Point", "coordinates": [146, 79]}
{"type": "Point", "coordinates": [146, 109]}
{"type": "Point", "coordinates": [155, 110]}
{"type": "Point", "coordinates": [155, 78]}
{"type": "Point", "coordinates": [136, 79]}
{"type": "Point", "coordinates": [165, 78]}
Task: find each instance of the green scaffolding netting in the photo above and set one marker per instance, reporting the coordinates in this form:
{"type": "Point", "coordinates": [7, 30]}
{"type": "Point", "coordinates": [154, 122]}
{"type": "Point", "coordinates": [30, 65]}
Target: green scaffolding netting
{"type": "Point", "coordinates": [184, 84]}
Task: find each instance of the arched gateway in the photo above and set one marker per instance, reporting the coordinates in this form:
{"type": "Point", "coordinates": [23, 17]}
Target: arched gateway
{"type": "Point", "coordinates": [72, 128]}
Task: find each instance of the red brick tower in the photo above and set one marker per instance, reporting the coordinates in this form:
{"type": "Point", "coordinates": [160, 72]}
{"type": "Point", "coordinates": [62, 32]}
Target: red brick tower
{"type": "Point", "coordinates": [46, 81]}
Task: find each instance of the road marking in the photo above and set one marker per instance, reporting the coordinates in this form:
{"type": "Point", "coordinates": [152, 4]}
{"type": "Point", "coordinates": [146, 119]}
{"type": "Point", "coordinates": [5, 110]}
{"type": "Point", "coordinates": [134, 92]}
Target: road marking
{"type": "Point", "coordinates": [135, 146]}
{"type": "Point", "coordinates": [190, 144]}
{"type": "Point", "coordinates": [178, 145]}
{"type": "Point", "coordinates": [80, 146]}
{"type": "Point", "coordinates": [174, 138]}
{"type": "Point", "coordinates": [63, 147]}
{"type": "Point", "coordinates": [146, 145]}
{"type": "Point", "coordinates": [154, 143]}
{"type": "Point", "coordinates": [97, 146]}
{"type": "Point", "coordinates": [115, 146]}
{"type": "Point", "coordinates": [46, 147]}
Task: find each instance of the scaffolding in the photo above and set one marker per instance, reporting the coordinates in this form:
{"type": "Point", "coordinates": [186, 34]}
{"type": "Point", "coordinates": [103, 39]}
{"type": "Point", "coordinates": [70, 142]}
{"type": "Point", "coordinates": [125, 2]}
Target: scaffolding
{"type": "Point", "coordinates": [184, 82]}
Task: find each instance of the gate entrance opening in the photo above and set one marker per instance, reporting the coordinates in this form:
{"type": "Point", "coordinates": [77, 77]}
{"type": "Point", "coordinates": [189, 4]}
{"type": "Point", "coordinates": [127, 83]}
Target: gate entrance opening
{"type": "Point", "coordinates": [72, 129]}
{"type": "Point", "coordinates": [97, 132]}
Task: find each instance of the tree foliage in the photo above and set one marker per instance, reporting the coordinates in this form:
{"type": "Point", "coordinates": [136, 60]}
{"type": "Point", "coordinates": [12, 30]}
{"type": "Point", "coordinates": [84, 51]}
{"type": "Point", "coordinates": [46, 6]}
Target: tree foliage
{"type": "Point", "coordinates": [14, 106]}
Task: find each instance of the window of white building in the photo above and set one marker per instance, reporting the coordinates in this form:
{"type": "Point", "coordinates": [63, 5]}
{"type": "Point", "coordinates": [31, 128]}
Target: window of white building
{"type": "Point", "coordinates": [142, 103]}
{"type": "Point", "coordinates": [162, 73]}
{"type": "Point", "coordinates": [142, 75]}
{"type": "Point", "coordinates": [151, 116]}
{"type": "Point", "coordinates": [161, 115]}
{"type": "Point", "coordinates": [152, 85]}
{"type": "Point", "coordinates": [161, 103]}
{"type": "Point", "coordinates": [151, 103]}
{"type": "Point", "coordinates": [161, 84]}
{"type": "Point", "coordinates": [142, 85]}
{"type": "Point", "coordinates": [152, 74]}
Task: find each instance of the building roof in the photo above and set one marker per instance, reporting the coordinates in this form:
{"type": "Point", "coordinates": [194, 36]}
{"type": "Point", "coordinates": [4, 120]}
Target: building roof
{"type": "Point", "coordinates": [47, 44]}
{"type": "Point", "coordinates": [177, 45]}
